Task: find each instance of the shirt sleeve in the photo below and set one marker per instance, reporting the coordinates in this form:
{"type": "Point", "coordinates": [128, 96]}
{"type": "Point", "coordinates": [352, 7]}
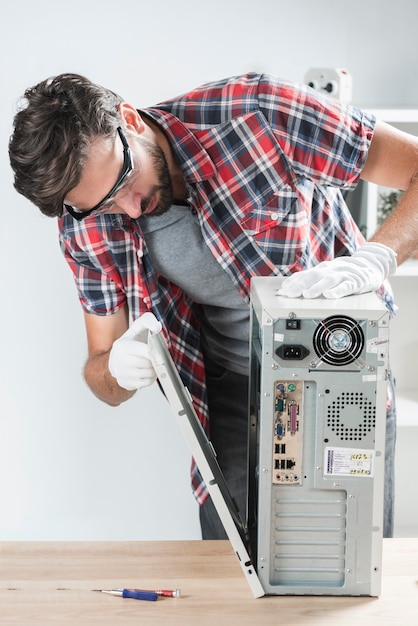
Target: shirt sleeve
{"type": "Point", "coordinates": [323, 139]}
{"type": "Point", "coordinates": [96, 276]}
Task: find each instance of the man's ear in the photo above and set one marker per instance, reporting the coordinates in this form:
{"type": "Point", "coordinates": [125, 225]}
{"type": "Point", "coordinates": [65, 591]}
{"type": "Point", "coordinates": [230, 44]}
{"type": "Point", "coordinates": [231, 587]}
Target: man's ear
{"type": "Point", "coordinates": [130, 116]}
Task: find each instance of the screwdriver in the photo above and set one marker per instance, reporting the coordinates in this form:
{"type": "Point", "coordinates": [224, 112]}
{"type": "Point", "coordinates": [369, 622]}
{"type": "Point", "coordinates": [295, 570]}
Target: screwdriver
{"type": "Point", "coordinates": [135, 594]}
{"type": "Point", "coordinates": [141, 594]}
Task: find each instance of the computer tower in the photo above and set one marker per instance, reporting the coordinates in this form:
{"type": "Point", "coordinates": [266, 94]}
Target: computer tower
{"type": "Point", "coordinates": [318, 397]}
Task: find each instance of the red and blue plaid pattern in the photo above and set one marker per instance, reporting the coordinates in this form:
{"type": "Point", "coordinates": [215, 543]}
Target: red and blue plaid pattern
{"type": "Point", "coordinates": [264, 161]}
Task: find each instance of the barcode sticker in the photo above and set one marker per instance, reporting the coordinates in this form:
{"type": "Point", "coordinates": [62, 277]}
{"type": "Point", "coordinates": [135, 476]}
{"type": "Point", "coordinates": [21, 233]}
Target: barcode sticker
{"type": "Point", "coordinates": [348, 462]}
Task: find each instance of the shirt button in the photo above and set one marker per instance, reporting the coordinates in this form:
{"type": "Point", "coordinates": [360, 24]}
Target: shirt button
{"type": "Point", "coordinates": [139, 254]}
{"type": "Point", "coordinates": [274, 216]}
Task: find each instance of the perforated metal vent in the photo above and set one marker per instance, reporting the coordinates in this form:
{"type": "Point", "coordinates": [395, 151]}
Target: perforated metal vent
{"type": "Point", "coordinates": [351, 416]}
{"type": "Point", "coordinates": [338, 340]}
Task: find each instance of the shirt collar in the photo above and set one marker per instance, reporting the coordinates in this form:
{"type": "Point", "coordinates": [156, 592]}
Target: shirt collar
{"type": "Point", "coordinates": [193, 158]}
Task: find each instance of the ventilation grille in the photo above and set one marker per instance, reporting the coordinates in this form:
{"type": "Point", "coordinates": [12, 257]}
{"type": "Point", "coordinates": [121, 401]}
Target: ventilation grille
{"type": "Point", "coordinates": [338, 340]}
{"type": "Point", "coordinates": [351, 416]}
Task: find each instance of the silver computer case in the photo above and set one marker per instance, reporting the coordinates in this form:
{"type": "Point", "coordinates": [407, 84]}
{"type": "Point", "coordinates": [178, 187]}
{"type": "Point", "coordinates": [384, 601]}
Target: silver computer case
{"type": "Point", "coordinates": [317, 441]}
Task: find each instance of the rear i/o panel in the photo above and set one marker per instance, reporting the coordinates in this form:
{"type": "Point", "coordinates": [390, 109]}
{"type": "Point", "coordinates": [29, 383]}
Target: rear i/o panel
{"type": "Point", "coordinates": [287, 439]}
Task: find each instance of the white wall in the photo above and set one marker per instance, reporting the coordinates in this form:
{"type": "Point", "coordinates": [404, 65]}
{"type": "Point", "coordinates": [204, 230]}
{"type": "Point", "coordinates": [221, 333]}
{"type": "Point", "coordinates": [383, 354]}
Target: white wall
{"type": "Point", "coordinates": [71, 467]}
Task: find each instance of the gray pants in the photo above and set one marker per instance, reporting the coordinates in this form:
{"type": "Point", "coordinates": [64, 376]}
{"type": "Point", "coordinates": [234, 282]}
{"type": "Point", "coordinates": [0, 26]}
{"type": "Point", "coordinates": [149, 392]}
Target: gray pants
{"type": "Point", "coordinates": [228, 410]}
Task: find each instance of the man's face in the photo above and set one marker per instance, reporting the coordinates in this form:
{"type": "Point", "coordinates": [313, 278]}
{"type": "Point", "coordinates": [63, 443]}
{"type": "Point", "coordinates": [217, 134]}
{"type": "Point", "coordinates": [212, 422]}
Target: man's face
{"type": "Point", "coordinates": [146, 190]}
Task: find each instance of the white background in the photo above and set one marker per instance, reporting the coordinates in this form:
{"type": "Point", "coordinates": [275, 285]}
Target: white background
{"type": "Point", "coordinates": [70, 466]}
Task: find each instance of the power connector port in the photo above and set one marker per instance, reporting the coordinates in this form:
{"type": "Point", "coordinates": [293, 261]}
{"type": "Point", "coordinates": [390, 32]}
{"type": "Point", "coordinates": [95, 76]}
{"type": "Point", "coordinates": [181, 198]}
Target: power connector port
{"type": "Point", "coordinates": [292, 352]}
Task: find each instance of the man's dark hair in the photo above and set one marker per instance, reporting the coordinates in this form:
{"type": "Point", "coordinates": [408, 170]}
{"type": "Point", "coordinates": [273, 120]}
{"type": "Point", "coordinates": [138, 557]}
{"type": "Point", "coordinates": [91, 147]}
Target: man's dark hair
{"type": "Point", "coordinates": [53, 130]}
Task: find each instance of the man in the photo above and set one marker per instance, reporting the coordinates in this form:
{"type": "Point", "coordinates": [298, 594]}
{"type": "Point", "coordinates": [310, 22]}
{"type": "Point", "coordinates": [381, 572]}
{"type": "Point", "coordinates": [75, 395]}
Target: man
{"type": "Point", "coordinates": [165, 215]}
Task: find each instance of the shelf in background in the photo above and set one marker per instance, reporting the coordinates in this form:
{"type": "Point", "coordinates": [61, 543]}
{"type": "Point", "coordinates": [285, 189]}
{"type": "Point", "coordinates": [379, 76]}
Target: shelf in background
{"type": "Point", "coordinates": [405, 119]}
{"type": "Point", "coordinates": [408, 268]}
{"type": "Point", "coordinates": [394, 116]}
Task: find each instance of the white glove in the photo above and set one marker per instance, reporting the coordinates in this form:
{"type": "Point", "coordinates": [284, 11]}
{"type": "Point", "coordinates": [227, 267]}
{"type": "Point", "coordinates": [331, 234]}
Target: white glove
{"type": "Point", "coordinates": [129, 360]}
{"type": "Point", "coordinates": [365, 270]}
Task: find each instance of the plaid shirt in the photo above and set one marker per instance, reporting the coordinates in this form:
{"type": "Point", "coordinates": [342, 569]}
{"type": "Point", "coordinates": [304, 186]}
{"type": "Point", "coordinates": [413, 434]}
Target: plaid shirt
{"type": "Point", "coordinates": [264, 161]}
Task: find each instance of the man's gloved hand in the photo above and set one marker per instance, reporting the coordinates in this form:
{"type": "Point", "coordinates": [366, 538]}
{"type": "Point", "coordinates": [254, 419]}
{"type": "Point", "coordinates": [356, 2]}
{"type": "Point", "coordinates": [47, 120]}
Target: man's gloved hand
{"type": "Point", "coordinates": [364, 271]}
{"type": "Point", "coordinates": [129, 360]}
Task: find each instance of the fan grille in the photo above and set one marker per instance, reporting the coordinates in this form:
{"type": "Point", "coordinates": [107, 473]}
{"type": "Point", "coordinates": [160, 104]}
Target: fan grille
{"type": "Point", "coordinates": [338, 340]}
{"type": "Point", "coordinates": [351, 416]}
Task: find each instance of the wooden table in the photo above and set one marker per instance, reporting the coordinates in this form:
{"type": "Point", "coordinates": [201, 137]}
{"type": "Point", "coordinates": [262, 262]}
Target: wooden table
{"type": "Point", "coordinates": [51, 583]}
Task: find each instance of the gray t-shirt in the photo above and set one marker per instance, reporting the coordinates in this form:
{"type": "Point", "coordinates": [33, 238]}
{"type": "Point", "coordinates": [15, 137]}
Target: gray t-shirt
{"type": "Point", "coordinates": [180, 254]}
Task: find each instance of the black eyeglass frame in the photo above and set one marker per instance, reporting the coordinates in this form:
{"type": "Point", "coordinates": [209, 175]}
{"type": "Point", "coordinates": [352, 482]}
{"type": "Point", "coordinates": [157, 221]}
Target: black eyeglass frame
{"type": "Point", "coordinates": [127, 167]}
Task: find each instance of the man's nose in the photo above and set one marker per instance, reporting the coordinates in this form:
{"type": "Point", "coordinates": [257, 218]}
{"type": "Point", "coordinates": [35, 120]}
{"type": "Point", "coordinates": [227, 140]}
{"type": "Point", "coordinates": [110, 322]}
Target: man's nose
{"type": "Point", "coordinates": [130, 203]}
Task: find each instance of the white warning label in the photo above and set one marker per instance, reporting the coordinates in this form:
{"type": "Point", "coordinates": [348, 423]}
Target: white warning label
{"type": "Point", "coordinates": [348, 462]}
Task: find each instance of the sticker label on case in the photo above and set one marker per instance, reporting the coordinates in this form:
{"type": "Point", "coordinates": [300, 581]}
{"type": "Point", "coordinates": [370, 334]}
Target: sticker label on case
{"type": "Point", "coordinates": [348, 462]}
